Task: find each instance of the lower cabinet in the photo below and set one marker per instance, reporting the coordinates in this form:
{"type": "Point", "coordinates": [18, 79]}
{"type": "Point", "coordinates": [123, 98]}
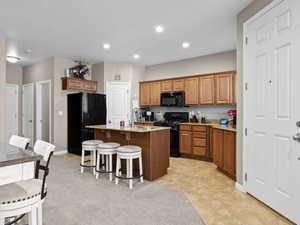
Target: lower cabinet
{"type": "Point", "coordinates": [194, 142]}
{"type": "Point", "coordinates": [224, 151]}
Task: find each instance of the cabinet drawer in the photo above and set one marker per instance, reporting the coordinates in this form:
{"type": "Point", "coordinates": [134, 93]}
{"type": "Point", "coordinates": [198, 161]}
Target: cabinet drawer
{"type": "Point", "coordinates": [199, 142]}
{"type": "Point", "coordinates": [199, 128]}
{"type": "Point", "coordinates": [199, 151]}
{"type": "Point", "coordinates": [199, 134]}
{"type": "Point", "coordinates": [185, 127]}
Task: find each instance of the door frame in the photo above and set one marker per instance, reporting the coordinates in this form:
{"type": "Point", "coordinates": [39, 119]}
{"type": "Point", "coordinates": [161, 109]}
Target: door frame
{"type": "Point", "coordinates": [263, 11]}
{"type": "Point", "coordinates": [129, 95]}
{"type": "Point", "coordinates": [37, 108]}
{"type": "Point", "coordinates": [16, 86]}
{"type": "Point", "coordinates": [33, 120]}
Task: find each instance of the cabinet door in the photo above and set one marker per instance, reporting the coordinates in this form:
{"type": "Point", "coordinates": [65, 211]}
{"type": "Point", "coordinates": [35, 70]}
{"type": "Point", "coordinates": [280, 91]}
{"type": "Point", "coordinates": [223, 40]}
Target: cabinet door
{"type": "Point", "coordinates": [224, 89]}
{"type": "Point", "coordinates": [155, 94]}
{"type": "Point", "coordinates": [218, 147]}
{"type": "Point", "coordinates": [178, 85]}
{"type": "Point", "coordinates": [185, 142]}
{"type": "Point", "coordinates": [229, 152]}
{"type": "Point", "coordinates": [206, 90]}
{"type": "Point", "coordinates": [167, 86]}
{"type": "Point", "coordinates": [191, 91]}
{"type": "Point", "coordinates": [144, 94]}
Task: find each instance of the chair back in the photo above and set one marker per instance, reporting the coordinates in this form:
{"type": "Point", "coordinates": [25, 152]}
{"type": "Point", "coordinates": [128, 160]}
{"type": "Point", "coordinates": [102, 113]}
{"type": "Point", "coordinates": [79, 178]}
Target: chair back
{"type": "Point", "coordinates": [43, 148]}
{"type": "Point", "coordinates": [20, 142]}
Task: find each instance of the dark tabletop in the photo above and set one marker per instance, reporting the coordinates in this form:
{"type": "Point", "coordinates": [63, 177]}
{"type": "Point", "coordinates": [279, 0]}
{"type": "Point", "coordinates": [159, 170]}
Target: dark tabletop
{"type": "Point", "coordinates": [11, 155]}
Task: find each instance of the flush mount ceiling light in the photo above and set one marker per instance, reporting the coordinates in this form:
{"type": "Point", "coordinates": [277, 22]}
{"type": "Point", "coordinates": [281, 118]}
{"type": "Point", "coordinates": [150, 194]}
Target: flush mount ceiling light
{"type": "Point", "coordinates": [106, 46]}
{"type": "Point", "coordinates": [186, 45]}
{"type": "Point", "coordinates": [159, 29]}
{"type": "Point", "coordinates": [12, 59]}
{"type": "Point", "coordinates": [28, 51]}
{"type": "Point", "coordinates": [136, 56]}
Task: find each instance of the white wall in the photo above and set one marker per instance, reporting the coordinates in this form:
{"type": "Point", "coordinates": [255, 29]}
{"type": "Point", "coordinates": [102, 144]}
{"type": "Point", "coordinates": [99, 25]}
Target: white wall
{"type": "Point", "coordinates": [2, 90]}
{"type": "Point", "coordinates": [98, 75]}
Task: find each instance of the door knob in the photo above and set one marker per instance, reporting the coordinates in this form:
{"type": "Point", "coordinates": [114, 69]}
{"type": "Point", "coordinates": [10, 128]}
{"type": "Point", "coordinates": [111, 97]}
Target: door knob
{"type": "Point", "coordinates": [296, 137]}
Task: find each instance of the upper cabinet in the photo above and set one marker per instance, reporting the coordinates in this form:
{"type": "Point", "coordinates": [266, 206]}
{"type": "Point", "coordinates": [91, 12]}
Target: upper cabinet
{"type": "Point", "coordinates": [191, 91]}
{"type": "Point", "coordinates": [144, 94]}
{"type": "Point", "coordinates": [167, 86]}
{"type": "Point", "coordinates": [76, 84]}
{"type": "Point", "coordinates": [207, 90]}
{"type": "Point", "coordinates": [155, 93]}
{"type": "Point", "coordinates": [224, 89]}
{"type": "Point", "coordinates": [178, 85]}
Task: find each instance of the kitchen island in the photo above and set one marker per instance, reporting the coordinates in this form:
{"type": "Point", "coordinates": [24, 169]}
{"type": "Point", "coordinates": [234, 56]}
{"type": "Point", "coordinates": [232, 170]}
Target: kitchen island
{"type": "Point", "coordinates": [154, 141]}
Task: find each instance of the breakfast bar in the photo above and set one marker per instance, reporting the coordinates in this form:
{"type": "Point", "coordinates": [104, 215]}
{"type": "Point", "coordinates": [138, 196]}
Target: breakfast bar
{"type": "Point", "coordinates": [154, 142]}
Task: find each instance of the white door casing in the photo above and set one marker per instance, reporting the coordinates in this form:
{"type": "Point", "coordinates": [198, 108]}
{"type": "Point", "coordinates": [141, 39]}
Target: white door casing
{"type": "Point", "coordinates": [118, 102]}
{"type": "Point", "coordinates": [271, 107]}
{"type": "Point", "coordinates": [43, 110]}
{"type": "Point", "coordinates": [12, 112]}
{"type": "Point", "coordinates": [28, 111]}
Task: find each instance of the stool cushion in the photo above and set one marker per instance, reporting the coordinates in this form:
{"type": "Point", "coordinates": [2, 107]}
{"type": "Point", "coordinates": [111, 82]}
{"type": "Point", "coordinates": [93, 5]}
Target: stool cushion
{"type": "Point", "coordinates": [20, 191]}
{"type": "Point", "coordinates": [129, 149]}
{"type": "Point", "coordinates": [109, 145]}
{"type": "Point", "coordinates": [92, 142]}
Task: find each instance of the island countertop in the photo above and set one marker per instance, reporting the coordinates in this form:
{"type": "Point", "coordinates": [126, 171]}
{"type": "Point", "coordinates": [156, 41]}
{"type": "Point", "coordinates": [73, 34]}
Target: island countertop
{"type": "Point", "coordinates": [134, 129]}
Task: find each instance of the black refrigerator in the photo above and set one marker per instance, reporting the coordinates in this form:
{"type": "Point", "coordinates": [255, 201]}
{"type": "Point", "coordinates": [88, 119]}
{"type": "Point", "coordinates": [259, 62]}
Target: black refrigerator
{"type": "Point", "coordinates": [84, 109]}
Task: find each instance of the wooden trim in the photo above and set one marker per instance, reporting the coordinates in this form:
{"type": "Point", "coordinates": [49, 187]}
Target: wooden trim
{"type": "Point", "coordinates": [191, 76]}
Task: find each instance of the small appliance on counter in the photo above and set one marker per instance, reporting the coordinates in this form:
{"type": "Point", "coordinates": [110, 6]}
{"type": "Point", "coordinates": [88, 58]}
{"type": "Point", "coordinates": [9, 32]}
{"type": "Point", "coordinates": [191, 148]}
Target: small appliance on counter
{"type": "Point", "coordinates": [149, 116]}
{"type": "Point", "coordinates": [223, 121]}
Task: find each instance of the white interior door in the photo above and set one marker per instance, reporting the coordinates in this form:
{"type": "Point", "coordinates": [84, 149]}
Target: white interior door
{"type": "Point", "coordinates": [12, 110]}
{"type": "Point", "coordinates": [43, 110]}
{"type": "Point", "coordinates": [118, 102]}
{"type": "Point", "coordinates": [272, 108]}
{"type": "Point", "coordinates": [27, 111]}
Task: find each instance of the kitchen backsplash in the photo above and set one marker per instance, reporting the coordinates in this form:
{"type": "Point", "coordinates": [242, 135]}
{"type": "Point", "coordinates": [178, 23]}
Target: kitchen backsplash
{"type": "Point", "coordinates": [210, 112]}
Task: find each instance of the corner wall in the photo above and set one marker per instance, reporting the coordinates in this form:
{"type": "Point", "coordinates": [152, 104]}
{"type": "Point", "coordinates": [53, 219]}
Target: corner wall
{"type": "Point", "coordinates": [2, 90]}
{"type": "Point", "coordinates": [243, 16]}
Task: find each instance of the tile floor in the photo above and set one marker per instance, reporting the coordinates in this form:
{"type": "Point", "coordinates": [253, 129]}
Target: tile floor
{"type": "Point", "coordinates": [215, 197]}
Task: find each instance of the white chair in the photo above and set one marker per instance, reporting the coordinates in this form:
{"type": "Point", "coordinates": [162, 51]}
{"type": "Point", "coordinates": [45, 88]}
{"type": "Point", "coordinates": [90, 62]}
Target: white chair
{"type": "Point", "coordinates": [20, 142]}
{"type": "Point", "coordinates": [91, 147]}
{"type": "Point", "coordinates": [105, 151]}
{"type": "Point", "coordinates": [129, 153]}
{"type": "Point", "coordinates": [27, 196]}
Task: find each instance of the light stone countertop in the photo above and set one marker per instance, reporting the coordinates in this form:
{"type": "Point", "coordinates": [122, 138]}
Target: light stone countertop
{"type": "Point", "coordinates": [213, 125]}
{"type": "Point", "coordinates": [136, 129]}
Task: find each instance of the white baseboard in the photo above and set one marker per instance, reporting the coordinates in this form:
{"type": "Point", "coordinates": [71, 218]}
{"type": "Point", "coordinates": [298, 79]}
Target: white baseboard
{"type": "Point", "coordinates": [240, 187]}
{"type": "Point", "coordinates": [61, 152]}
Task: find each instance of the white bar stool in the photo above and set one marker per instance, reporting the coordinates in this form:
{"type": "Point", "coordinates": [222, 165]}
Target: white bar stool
{"type": "Point", "coordinates": [89, 146]}
{"type": "Point", "coordinates": [129, 152]}
{"type": "Point", "coordinates": [106, 151]}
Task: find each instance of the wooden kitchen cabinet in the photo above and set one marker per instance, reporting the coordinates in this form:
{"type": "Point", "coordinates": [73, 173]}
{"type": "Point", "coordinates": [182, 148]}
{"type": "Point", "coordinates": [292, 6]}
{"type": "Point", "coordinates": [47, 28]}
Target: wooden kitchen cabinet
{"type": "Point", "coordinates": [178, 85]}
{"type": "Point", "coordinates": [224, 89]}
{"type": "Point", "coordinates": [144, 94]}
{"type": "Point", "coordinates": [224, 151]}
{"type": "Point", "coordinates": [155, 94]}
{"type": "Point", "coordinates": [191, 91]}
{"type": "Point", "coordinates": [185, 139]}
{"type": "Point", "coordinates": [76, 84]}
{"type": "Point", "coordinates": [167, 86]}
{"type": "Point", "coordinates": [207, 90]}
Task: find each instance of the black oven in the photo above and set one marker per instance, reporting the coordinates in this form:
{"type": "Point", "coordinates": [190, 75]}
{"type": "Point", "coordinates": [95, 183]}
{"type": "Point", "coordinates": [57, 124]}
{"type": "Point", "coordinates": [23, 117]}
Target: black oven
{"type": "Point", "coordinates": [172, 99]}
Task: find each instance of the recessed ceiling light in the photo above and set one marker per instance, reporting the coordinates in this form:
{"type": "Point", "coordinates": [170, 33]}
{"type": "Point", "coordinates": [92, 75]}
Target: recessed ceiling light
{"type": "Point", "coordinates": [136, 56]}
{"type": "Point", "coordinates": [28, 51]}
{"type": "Point", "coordinates": [106, 46]}
{"type": "Point", "coordinates": [13, 59]}
{"type": "Point", "coordinates": [186, 45]}
{"type": "Point", "coordinates": [159, 29]}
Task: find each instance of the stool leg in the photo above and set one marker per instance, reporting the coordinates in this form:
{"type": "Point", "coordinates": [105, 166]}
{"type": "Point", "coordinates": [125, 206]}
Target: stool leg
{"type": "Point", "coordinates": [141, 168]}
{"type": "Point", "coordinates": [40, 215]}
{"type": "Point", "coordinates": [94, 162]}
{"type": "Point", "coordinates": [2, 220]}
{"type": "Point", "coordinates": [110, 167]}
{"type": "Point", "coordinates": [32, 217]}
{"type": "Point", "coordinates": [98, 167]}
{"type": "Point", "coordinates": [82, 160]}
{"type": "Point", "coordinates": [117, 170]}
{"type": "Point", "coordinates": [127, 168]}
{"type": "Point", "coordinates": [102, 161]}
{"type": "Point", "coordinates": [130, 173]}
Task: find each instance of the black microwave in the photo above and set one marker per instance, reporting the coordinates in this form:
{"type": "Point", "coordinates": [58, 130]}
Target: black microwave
{"type": "Point", "coordinates": [172, 99]}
